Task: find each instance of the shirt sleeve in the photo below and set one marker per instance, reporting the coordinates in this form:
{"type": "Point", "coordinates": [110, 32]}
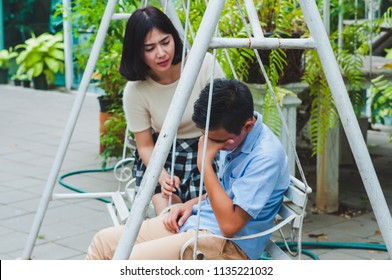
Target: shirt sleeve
{"type": "Point", "coordinates": [135, 108]}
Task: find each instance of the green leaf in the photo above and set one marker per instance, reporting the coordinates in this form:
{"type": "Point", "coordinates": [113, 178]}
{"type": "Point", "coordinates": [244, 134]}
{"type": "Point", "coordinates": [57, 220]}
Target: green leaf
{"type": "Point", "coordinates": [57, 54]}
{"type": "Point", "coordinates": [53, 64]}
{"type": "Point", "coordinates": [38, 69]}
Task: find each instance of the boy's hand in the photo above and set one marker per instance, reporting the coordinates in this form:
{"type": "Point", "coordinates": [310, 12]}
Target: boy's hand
{"type": "Point", "coordinates": [177, 216]}
{"type": "Point", "coordinates": [213, 148]}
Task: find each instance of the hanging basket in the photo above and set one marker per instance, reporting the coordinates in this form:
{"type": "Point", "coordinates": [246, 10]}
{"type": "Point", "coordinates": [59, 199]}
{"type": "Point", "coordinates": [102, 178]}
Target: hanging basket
{"type": "Point", "coordinates": [292, 72]}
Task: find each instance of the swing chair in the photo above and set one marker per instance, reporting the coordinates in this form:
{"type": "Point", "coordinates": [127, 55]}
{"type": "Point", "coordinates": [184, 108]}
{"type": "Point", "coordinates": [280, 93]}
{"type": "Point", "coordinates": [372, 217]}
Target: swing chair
{"type": "Point", "coordinates": [293, 208]}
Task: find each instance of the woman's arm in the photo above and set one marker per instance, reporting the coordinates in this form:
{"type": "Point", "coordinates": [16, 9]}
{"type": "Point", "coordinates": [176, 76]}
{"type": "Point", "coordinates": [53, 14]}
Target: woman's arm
{"type": "Point", "coordinates": [145, 145]}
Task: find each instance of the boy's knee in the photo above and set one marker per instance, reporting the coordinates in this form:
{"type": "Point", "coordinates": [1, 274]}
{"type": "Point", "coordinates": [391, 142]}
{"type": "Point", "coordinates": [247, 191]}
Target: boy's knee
{"type": "Point", "coordinates": [104, 243]}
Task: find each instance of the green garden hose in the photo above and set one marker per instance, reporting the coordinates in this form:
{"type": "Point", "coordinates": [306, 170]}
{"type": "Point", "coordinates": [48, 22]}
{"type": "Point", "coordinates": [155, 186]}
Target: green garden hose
{"type": "Point", "coordinates": [61, 182]}
{"type": "Point", "coordinates": [333, 245]}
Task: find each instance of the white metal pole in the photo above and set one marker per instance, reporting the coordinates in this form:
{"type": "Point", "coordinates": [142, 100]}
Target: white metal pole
{"type": "Point", "coordinates": [340, 26]}
{"type": "Point", "coordinates": [172, 14]}
{"type": "Point", "coordinates": [68, 44]}
{"type": "Point", "coordinates": [326, 15]}
{"type": "Point", "coordinates": [46, 196]}
{"type": "Point", "coordinates": [253, 19]}
{"type": "Point", "coordinates": [349, 121]}
{"type": "Point", "coordinates": [263, 43]}
{"type": "Point", "coordinates": [169, 129]}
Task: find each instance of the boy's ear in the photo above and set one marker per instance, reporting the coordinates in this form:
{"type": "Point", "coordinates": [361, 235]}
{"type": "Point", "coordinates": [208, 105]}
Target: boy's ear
{"type": "Point", "coordinates": [249, 124]}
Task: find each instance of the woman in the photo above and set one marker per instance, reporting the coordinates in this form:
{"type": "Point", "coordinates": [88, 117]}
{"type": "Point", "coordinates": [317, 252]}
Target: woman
{"type": "Point", "coordinates": [151, 62]}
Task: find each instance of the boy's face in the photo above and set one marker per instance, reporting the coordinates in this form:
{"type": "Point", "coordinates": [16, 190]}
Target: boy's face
{"type": "Point", "coordinates": [229, 141]}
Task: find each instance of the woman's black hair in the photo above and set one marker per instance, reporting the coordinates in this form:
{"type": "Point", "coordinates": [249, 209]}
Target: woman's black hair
{"type": "Point", "coordinates": [141, 22]}
{"type": "Point", "coordinates": [231, 106]}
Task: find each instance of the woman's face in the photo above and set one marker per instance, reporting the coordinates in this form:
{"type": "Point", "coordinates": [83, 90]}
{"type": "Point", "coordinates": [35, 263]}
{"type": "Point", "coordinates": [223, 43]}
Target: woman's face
{"type": "Point", "coordinates": [159, 50]}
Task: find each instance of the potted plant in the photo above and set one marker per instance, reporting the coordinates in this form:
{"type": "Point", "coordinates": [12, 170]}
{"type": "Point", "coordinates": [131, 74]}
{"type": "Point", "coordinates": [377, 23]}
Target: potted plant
{"type": "Point", "coordinates": [87, 16]}
{"type": "Point", "coordinates": [112, 118]}
{"type": "Point", "coordinates": [21, 79]}
{"type": "Point", "coordinates": [5, 58]}
{"type": "Point", "coordinates": [41, 58]}
{"type": "Point", "coordinates": [17, 81]}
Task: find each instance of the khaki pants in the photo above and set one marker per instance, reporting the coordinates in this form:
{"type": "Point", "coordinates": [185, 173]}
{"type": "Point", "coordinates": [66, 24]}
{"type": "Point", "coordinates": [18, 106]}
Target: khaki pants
{"type": "Point", "coordinates": [155, 242]}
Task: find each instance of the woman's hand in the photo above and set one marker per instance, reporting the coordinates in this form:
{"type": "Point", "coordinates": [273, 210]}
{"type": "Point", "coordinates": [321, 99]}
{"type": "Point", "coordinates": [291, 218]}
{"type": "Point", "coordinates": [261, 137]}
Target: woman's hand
{"type": "Point", "coordinates": [168, 185]}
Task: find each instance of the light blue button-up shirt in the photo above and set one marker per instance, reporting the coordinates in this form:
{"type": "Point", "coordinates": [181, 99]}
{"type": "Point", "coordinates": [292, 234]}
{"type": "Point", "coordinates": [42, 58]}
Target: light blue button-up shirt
{"type": "Point", "coordinates": [255, 176]}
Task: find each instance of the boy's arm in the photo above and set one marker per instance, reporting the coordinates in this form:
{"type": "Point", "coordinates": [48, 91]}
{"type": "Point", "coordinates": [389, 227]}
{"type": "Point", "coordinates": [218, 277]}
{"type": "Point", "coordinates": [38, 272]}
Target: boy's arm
{"type": "Point", "coordinates": [231, 218]}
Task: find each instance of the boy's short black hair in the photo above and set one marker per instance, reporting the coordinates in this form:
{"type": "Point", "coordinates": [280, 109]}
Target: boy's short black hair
{"type": "Point", "coordinates": [141, 22]}
{"type": "Point", "coordinates": [231, 106]}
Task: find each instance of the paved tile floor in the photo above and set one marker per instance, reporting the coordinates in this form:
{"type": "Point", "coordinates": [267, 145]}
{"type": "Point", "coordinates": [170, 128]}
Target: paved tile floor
{"type": "Point", "coordinates": [32, 124]}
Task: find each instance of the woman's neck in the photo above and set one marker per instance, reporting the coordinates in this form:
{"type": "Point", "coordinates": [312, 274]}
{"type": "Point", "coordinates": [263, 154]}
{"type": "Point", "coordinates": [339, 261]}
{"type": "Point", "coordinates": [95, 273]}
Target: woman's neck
{"type": "Point", "coordinates": [168, 77]}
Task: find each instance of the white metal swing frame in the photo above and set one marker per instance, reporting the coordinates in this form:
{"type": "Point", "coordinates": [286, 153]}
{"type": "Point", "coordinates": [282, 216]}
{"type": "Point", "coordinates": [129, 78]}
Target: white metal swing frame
{"type": "Point", "coordinates": [203, 41]}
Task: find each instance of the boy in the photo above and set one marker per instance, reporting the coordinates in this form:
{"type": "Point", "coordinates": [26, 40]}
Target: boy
{"type": "Point", "coordinates": [242, 200]}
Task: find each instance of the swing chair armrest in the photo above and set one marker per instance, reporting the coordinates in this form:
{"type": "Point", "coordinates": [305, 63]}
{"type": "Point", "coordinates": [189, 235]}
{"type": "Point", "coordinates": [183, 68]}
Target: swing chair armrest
{"type": "Point", "coordinates": [256, 235]}
{"type": "Point", "coordinates": [299, 184]}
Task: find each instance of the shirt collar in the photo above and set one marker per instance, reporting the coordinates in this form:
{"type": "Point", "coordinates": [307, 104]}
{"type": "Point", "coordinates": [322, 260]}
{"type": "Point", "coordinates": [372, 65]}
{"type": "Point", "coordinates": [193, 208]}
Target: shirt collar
{"type": "Point", "coordinates": [248, 144]}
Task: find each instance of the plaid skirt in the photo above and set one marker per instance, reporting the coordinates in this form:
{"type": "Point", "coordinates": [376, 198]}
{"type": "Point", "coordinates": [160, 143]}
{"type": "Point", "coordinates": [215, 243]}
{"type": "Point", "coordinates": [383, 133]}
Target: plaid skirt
{"type": "Point", "coordinates": [185, 168]}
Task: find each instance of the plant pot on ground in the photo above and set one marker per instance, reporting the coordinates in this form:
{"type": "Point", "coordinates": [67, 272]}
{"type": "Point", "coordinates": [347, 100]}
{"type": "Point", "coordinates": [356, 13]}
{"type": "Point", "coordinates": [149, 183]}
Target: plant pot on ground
{"type": "Point", "coordinates": [17, 82]}
{"type": "Point", "coordinates": [40, 82]}
{"type": "Point", "coordinates": [3, 75]}
{"type": "Point", "coordinates": [42, 56]}
{"type": "Point", "coordinates": [112, 127]}
{"type": "Point", "coordinates": [104, 116]}
{"type": "Point", "coordinates": [20, 79]}
{"type": "Point", "coordinates": [5, 58]}
{"type": "Point", "coordinates": [26, 83]}
{"type": "Point", "coordinates": [112, 118]}
{"type": "Point", "coordinates": [112, 135]}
